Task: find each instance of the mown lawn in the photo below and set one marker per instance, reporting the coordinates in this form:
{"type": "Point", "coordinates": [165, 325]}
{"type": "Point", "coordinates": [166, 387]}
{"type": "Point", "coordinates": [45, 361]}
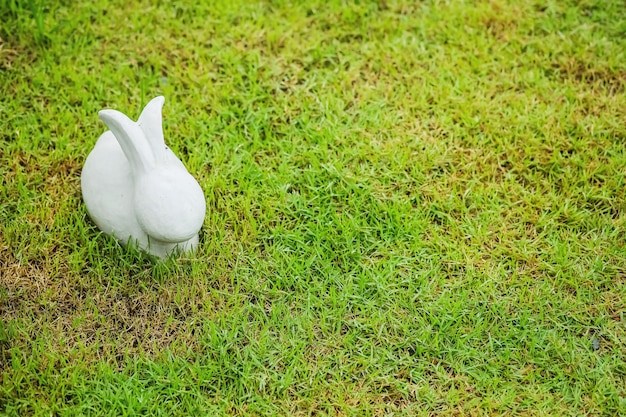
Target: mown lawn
{"type": "Point", "coordinates": [413, 208]}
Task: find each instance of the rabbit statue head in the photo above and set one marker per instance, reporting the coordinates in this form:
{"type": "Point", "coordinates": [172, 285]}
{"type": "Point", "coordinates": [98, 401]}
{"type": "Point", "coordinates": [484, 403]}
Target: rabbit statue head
{"type": "Point", "coordinates": [137, 190]}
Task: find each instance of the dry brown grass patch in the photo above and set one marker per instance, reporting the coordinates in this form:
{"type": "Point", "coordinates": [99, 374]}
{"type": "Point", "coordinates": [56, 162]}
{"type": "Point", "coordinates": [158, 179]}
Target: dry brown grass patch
{"type": "Point", "coordinates": [91, 315]}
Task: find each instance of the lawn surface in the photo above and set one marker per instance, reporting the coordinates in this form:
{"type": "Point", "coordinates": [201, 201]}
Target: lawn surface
{"type": "Point", "coordinates": [413, 208]}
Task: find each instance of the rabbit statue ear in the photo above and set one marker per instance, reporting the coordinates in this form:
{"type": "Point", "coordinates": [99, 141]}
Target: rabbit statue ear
{"type": "Point", "coordinates": [150, 122]}
{"type": "Point", "coordinates": [131, 138]}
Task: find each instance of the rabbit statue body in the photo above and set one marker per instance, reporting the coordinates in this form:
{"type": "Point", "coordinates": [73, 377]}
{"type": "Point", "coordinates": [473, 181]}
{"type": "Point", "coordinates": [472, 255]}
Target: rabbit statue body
{"type": "Point", "coordinates": [137, 190]}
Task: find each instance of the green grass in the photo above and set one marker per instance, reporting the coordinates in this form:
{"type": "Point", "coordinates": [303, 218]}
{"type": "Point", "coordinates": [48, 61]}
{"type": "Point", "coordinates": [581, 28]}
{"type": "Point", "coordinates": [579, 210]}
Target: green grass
{"type": "Point", "coordinates": [414, 208]}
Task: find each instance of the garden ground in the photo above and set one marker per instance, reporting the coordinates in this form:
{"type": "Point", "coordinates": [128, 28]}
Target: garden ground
{"type": "Point", "coordinates": [413, 208]}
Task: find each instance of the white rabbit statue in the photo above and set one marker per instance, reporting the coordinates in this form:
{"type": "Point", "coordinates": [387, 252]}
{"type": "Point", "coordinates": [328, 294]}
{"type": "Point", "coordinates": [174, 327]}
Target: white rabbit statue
{"type": "Point", "coordinates": [137, 190]}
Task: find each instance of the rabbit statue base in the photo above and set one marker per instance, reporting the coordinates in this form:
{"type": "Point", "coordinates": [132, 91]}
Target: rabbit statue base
{"type": "Point", "coordinates": [137, 190]}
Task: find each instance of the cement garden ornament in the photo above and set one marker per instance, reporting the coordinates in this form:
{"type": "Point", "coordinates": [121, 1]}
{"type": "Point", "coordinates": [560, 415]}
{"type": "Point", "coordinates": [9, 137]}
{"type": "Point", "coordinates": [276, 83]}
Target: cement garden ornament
{"type": "Point", "coordinates": [137, 190]}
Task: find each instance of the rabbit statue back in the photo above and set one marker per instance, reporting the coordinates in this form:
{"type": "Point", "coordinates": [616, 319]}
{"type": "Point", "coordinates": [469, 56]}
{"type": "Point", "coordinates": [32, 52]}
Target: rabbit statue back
{"type": "Point", "coordinates": [137, 190]}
